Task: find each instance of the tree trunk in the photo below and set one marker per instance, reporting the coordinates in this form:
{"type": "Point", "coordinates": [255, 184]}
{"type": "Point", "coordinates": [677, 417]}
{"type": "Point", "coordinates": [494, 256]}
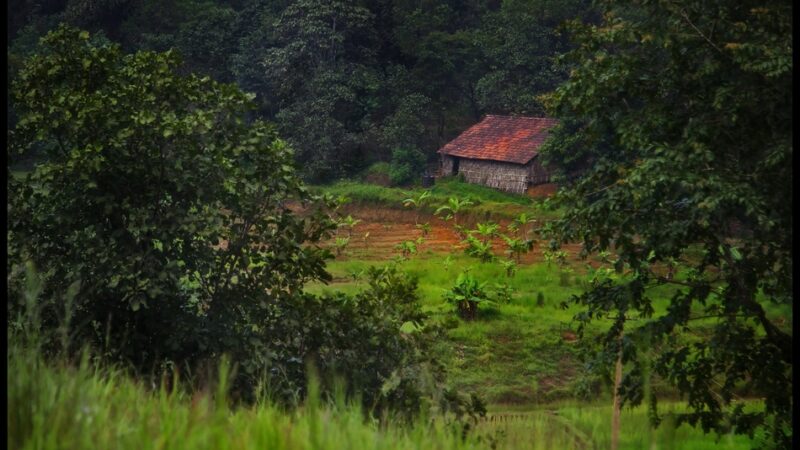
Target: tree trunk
{"type": "Point", "coordinates": [617, 403]}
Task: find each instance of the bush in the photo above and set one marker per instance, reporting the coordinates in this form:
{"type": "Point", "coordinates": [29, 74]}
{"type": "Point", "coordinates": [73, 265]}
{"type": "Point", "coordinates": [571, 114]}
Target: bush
{"type": "Point", "coordinates": [466, 295]}
{"type": "Point", "coordinates": [377, 173]}
{"type": "Point", "coordinates": [407, 165]}
{"type": "Point", "coordinates": [162, 213]}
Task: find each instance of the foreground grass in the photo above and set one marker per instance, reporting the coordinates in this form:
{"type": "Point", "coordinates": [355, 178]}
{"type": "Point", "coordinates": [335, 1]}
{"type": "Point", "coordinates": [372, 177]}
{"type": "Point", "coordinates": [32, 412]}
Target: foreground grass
{"type": "Point", "coordinates": [86, 407]}
{"type": "Point", "coordinates": [83, 406]}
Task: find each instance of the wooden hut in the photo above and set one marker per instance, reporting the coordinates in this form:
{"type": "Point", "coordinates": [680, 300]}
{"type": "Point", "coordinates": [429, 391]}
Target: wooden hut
{"type": "Point", "coordinates": [501, 152]}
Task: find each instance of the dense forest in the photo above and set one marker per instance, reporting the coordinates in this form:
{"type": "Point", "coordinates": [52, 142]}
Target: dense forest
{"type": "Point", "coordinates": [347, 83]}
{"type": "Point", "coordinates": [196, 241]}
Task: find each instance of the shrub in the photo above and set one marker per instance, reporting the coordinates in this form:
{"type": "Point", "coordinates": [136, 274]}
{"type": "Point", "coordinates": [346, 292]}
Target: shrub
{"type": "Point", "coordinates": [377, 173]}
{"type": "Point", "coordinates": [466, 295]}
{"type": "Point", "coordinates": [407, 165]}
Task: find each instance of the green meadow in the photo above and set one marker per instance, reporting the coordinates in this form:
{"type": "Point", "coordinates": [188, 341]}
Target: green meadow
{"type": "Point", "coordinates": [78, 404]}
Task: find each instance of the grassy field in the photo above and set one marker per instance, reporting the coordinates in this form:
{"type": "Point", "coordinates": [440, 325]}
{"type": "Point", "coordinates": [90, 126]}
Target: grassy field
{"type": "Point", "coordinates": [487, 203]}
{"type": "Point", "coordinates": [522, 356]}
{"type": "Point", "coordinates": [521, 352]}
{"type": "Point", "coordinates": [83, 406]}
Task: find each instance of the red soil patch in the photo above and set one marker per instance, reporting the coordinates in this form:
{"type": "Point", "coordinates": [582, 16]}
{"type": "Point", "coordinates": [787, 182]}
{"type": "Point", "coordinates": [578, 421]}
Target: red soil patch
{"type": "Point", "coordinates": [569, 336]}
{"type": "Point", "coordinates": [542, 190]}
{"type": "Point", "coordinates": [388, 227]}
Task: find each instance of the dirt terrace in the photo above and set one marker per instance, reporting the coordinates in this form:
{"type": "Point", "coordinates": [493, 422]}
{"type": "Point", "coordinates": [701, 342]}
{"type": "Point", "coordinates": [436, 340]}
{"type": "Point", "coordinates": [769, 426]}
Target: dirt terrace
{"type": "Point", "coordinates": [389, 227]}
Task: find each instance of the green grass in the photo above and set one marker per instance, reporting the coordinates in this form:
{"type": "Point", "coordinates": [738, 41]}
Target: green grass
{"type": "Point", "coordinates": [488, 203]}
{"type": "Point", "coordinates": [54, 406]}
{"type": "Point", "coordinates": [636, 433]}
{"type": "Point", "coordinates": [83, 407]}
{"type": "Point", "coordinates": [515, 353]}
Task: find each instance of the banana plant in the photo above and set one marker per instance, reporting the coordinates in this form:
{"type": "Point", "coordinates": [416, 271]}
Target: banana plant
{"type": "Point", "coordinates": [341, 244]}
{"type": "Point", "coordinates": [510, 267]}
{"type": "Point", "coordinates": [407, 248]}
{"type": "Point", "coordinates": [365, 238]}
{"type": "Point", "coordinates": [452, 208]}
{"type": "Point", "coordinates": [466, 295]}
{"type": "Point", "coordinates": [517, 246]}
{"type": "Point", "coordinates": [417, 203]}
{"type": "Point", "coordinates": [481, 248]}
{"type": "Point", "coordinates": [350, 223]}
{"type": "Point", "coordinates": [424, 227]}
{"type": "Point", "coordinates": [519, 225]}
{"type": "Point", "coordinates": [478, 249]}
{"type": "Point", "coordinates": [447, 262]}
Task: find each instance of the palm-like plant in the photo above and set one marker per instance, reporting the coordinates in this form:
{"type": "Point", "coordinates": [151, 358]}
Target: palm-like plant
{"type": "Point", "coordinates": [481, 248]}
{"type": "Point", "coordinates": [466, 295]}
{"type": "Point", "coordinates": [519, 225]}
{"type": "Point", "coordinates": [407, 248]}
{"type": "Point", "coordinates": [517, 246]}
{"type": "Point", "coordinates": [417, 203]}
{"type": "Point", "coordinates": [478, 249]}
{"type": "Point", "coordinates": [341, 244]}
{"type": "Point", "coordinates": [510, 267]}
{"type": "Point", "coordinates": [424, 227]}
{"type": "Point", "coordinates": [452, 208]}
{"type": "Point", "coordinates": [350, 223]}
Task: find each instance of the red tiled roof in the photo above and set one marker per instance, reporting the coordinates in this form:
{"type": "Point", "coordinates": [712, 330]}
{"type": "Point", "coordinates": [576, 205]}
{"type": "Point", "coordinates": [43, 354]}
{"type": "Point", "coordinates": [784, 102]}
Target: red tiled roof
{"type": "Point", "coordinates": [501, 138]}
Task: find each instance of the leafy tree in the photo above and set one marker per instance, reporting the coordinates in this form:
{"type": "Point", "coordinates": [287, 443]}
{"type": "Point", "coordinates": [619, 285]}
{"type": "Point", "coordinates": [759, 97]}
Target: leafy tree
{"type": "Point", "coordinates": [162, 204]}
{"type": "Point", "coordinates": [679, 116]}
{"type": "Point", "coordinates": [207, 40]}
{"type": "Point", "coordinates": [520, 42]}
{"type": "Point", "coordinates": [406, 166]}
{"type": "Point", "coordinates": [316, 71]}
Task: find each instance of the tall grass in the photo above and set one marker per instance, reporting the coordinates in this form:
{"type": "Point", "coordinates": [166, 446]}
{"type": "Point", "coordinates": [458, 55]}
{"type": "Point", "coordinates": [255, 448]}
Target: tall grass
{"type": "Point", "coordinates": [64, 403]}
{"type": "Point", "coordinates": [83, 406]}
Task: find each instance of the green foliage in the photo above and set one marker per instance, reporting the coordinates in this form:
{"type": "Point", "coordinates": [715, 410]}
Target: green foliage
{"type": "Point", "coordinates": [377, 173]}
{"type": "Point", "coordinates": [316, 73]}
{"type": "Point", "coordinates": [519, 42]}
{"type": "Point", "coordinates": [517, 247]}
{"type": "Point", "coordinates": [425, 228]}
{"type": "Point", "coordinates": [407, 248]}
{"type": "Point", "coordinates": [478, 249]}
{"type": "Point", "coordinates": [348, 222]}
{"type": "Point", "coordinates": [152, 197]}
{"type": "Point", "coordinates": [406, 166]}
{"type": "Point", "coordinates": [451, 209]}
{"type": "Point", "coordinates": [340, 244]}
{"type": "Point", "coordinates": [510, 267]}
{"type": "Point", "coordinates": [466, 295]}
{"type": "Point", "coordinates": [503, 292]}
{"type": "Point", "coordinates": [481, 248]}
{"type": "Point", "coordinates": [162, 213]}
{"type": "Point", "coordinates": [679, 116]}
{"type": "Point", "coordinates": [418, 201]}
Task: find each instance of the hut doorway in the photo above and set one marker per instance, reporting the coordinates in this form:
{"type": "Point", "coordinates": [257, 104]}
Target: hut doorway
{"type": "Point", "coordinates": [455, 166]}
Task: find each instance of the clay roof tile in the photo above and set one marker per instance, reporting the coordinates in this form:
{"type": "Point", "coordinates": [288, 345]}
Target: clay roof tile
{"type": "Point", "coordinates": [501, 138]}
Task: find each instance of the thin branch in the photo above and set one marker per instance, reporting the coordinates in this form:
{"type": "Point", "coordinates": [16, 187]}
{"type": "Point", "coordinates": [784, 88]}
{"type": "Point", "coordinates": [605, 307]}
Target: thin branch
{"type": "Point", "coordinates": [686, 17]}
